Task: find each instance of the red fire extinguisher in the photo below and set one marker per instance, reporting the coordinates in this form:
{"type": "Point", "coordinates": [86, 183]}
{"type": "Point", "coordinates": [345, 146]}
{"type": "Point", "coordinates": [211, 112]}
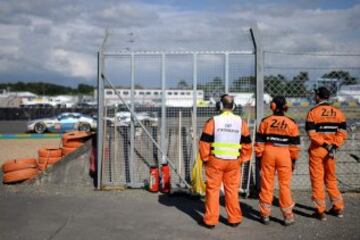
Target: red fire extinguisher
{"type": "Point", "coordinates": [154, 179]}
{"type": "Point", "coordinates": [165, 178]}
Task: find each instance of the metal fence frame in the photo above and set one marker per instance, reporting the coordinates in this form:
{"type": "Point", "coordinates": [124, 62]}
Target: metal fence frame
{"type": "Point", "coordinates": [103, 54]}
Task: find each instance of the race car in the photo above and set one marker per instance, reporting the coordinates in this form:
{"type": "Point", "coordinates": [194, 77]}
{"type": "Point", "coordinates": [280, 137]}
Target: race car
{"type": "Point", "coordinates": [64, 122]}
{"type": "Point", "coordinates": [124, 119]}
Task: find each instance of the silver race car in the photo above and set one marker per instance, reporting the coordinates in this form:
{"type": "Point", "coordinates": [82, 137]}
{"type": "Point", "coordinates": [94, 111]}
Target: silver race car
{"type": "Point", "coordinates": [64, 122]}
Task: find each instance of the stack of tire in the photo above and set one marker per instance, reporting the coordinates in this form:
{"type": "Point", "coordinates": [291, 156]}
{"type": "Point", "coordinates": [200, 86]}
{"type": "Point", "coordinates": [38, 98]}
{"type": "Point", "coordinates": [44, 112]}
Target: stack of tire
{"type": "Point", "coordinates": [23, 169]}
{"type": "Point", "coordinates": [48, 156]}
{"type": "Point", "coordinates": [19, 170]}
{"type": "Point", "coordinates": [73, 140]}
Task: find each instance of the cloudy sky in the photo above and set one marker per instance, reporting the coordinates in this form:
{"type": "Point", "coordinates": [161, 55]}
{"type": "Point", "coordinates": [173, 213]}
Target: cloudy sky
{"type": "Point", "coordinates": [57, 40]}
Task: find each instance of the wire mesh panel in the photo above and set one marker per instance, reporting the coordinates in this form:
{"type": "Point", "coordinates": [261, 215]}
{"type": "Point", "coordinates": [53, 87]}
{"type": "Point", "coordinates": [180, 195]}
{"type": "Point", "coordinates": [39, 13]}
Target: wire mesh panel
{"type": "Point", "coordinates": [115, 164]}
{"type": "Point", "coordinates": [153, 104]}
{"type": "Point", "coordinates": [171, 95]}
{"type": "Point", "coordinates": [179, 105]}
{"type": "Point", "coordinates": [242, 85]}
{"type": "Point", "coordinates": [295, 75]}
{"type": "Point", "coordinates": [146, 101]}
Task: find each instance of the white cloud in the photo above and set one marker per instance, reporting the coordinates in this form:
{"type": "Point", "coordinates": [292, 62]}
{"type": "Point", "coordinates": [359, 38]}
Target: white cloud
{"type": "Point", "coordinates": [72, 63]}
{"type": "Point", "coordinates": [63, 36]}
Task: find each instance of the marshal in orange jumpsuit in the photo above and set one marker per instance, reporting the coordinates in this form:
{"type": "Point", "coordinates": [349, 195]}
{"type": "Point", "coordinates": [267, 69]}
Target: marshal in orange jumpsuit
{"type": "Point", "coordinates": [278, 146]}
{"type": "Point", "coordinates": [223, 170]}
{"type": "Point", "coordinates": [326, 126]}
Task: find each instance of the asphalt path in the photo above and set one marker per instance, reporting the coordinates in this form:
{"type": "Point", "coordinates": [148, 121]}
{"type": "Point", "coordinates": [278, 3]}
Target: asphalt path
{"type": "Point", "coordinates": [40, 212]}
{"type": "Point", "coordinates": [12, 127]}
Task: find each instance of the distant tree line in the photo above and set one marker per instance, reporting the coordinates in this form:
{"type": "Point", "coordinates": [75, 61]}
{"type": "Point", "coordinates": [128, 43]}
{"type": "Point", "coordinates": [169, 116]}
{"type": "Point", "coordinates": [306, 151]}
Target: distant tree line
{"type": "Point", "coordinates": [274, 84]}
{"type": "Point", "coordinates": [49, 89]}
{"type": "Point", "coordinates": [296, 87]}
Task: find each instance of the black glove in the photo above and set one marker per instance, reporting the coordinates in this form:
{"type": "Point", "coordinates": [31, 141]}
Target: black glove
{"type": "Point", "coordinates": [293, 164]}
{"type": "Point", "coordinates": [331, 149]}
{"type": "Point", "coordinates": [258, 161]}
{"type": "Point", "coordinates": [327, 146]}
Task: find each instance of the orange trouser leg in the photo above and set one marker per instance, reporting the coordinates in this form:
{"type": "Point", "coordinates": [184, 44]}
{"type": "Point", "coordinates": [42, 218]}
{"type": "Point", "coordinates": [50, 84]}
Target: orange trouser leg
{"type": "Point", "coordinates": [231, 186]}
{"type": "Point", "coordinates": [283, 166]}
{"type": "Point", "coordinates": [331, 184]}
{"type": "Point", "coordinates": [267, 172]}
{"type": "Point", "coordinates": [214, 175]}
{"type": "Point", "coordinates": [316, 168]}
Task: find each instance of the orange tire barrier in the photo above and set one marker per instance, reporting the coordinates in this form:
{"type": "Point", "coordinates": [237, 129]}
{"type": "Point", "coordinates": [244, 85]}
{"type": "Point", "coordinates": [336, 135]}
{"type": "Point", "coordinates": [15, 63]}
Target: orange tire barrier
{"type": "Point", "coordinates": [42, 167]}
{"type": "Point", "coordinates": [66, 151]}
{"type": "Point", "coordinates": [20, 175]}
{"type": "Point", "coordinates": [43, 160]}
{"type": "Point", "coordinates": [18, 164]}
{"type": "Point", "coordinates": [73, 144]}
{"type": "Point", "coordinates": [75, 135]}
{"type": "Point", "coordinates": [50, 152]}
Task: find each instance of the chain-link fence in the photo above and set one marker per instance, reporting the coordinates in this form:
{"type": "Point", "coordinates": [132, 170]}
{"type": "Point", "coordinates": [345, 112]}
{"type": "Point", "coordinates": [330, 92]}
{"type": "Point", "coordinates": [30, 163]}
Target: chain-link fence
{"type": "Point", "coordinates": [295, 75]}
{"type": "Point", "coordinates": [172, 95]}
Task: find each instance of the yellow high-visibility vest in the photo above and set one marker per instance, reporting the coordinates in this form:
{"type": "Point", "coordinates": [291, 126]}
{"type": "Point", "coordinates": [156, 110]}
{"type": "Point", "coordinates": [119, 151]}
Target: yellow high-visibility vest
{"type": "Point", "coordinates": [227, 136]}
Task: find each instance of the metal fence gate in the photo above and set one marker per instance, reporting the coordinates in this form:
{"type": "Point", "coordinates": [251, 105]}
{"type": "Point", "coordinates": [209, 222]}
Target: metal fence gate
{"type": "Point", "coordinates": [295, 75]}
{"type": "Point", "coordinates": [171, 94]}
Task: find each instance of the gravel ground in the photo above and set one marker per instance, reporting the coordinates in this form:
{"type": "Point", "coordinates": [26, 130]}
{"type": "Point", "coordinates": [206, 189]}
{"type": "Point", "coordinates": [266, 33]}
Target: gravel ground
{"type": "Point", "coordinates": [24, 148]}
{"type": "Point", "coordinates": [58, 212]}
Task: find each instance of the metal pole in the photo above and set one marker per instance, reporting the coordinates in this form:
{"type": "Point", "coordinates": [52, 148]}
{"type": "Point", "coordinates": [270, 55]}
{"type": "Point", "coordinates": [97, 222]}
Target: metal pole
{"type": "Point", "coordinates": [100, 115]}
{"type": "Point", "coordinates": [194, 115]}
{"type": "Point", "coordinates": [226, 72]}
{"type": "Point", "coordinates": [118, 53]}
{"type": "Point", "coordinates": [132, 125]}
{"type": "Point", "coordinates": [116, 142]}
{"type": "Point", "coordinates": [259, 74]}
{"type": "Point", "coordinates": [180, 146]}
{"type": "Point", "coordinates": [163, 109]}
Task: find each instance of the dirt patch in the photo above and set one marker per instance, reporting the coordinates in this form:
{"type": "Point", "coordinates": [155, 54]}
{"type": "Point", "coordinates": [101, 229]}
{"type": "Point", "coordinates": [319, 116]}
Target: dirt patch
{"type": "Point", "coordinates": [24, 148]}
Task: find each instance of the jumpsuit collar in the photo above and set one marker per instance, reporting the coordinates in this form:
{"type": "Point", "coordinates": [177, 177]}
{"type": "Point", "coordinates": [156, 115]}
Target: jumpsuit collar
{"type": "Point", "coordinates": [324, 102]}
{"type": "Point", "coordinates": [227, 113]}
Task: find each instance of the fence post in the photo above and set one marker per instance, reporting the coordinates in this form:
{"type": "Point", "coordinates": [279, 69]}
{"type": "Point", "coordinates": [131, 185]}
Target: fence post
{"type": "Point", "coordinates": [226, 72]}
{"type": "Point", "coordinates": [99, 132]}
{"type": "Point", "coordinates": [194, 115]}
{"type": "Point", "coordinates": [259, 74]}
{"type": "Point", "coordinates": [132, 126]}
{"type": "Point", "coordinates": [163, 109]}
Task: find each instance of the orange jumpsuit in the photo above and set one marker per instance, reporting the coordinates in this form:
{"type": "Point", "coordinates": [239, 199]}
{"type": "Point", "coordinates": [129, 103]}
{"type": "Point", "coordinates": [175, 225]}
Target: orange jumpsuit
{"type": "Point", "coordinates": [278, 144]}
{"type": "Point", "coordinates": [223, 170]}
{"type": "Point", "coordinates": [325, 124]}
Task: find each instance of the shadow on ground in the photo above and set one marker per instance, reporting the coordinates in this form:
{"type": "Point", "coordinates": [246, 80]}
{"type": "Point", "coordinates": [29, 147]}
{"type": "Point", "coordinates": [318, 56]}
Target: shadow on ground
{"type": "Point", "coordinates": [299, 208]}
{"type": "Point", "coordinates": [195, 207]}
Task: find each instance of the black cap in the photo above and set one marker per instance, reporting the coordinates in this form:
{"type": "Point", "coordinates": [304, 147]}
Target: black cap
{"type": "Point", "coordinates": [280, 102]}
{"type": "Point", "coordinates": [322, 92]}
{"type": "Point", "coordinates": [227, 104]}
